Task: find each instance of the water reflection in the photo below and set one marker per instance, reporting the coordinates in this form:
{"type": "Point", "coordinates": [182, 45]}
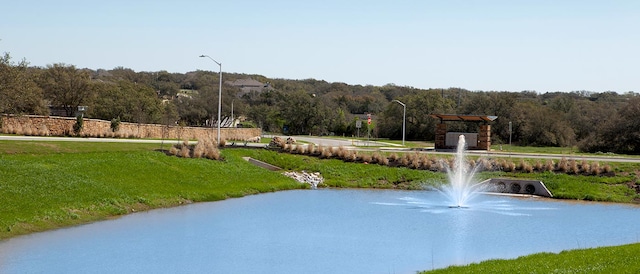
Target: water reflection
{"type": "Point", "coordinates": [323, 231]}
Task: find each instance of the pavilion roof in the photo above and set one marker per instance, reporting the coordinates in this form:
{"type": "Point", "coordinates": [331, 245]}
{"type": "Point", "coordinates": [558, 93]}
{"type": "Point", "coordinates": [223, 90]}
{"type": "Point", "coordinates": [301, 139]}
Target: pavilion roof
{"type": "Point", "coordinates": [464, 117]}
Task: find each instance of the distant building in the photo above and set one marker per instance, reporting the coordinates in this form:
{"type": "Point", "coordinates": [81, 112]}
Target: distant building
{"type": "Point", "coordinates": [248, 85]}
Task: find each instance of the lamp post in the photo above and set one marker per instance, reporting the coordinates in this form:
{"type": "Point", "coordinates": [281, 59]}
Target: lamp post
{"type": "Point", "coordinates": [219, 94]}
{"type": "Point", "coordinates": [232, 120]}
{"type": "Point", "coordinates": [404, 118]}
{"type": "Point", "coordinates": [510, 134]}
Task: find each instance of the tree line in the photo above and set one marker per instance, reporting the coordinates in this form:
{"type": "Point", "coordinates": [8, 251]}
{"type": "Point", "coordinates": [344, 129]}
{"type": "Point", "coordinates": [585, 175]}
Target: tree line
{"type": "Point", "coordinates": [591, 121]}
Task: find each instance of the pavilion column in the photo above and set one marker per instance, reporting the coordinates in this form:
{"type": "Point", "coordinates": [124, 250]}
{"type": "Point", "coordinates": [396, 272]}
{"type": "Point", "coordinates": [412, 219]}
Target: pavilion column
{"type": "Point", "coordinates": [484, 137]}
{"type": "Point", "coordinates": [441, 136]}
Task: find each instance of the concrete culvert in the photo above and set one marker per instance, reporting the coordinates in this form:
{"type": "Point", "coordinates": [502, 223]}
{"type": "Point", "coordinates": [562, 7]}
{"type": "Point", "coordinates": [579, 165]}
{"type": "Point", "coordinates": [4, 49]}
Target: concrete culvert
{"type": "Point", "coordinates": [530, 189]}
{"type": "Point", "coordinates": [501, 187]}
{"type": "Point", "coordinates": [515, 188]}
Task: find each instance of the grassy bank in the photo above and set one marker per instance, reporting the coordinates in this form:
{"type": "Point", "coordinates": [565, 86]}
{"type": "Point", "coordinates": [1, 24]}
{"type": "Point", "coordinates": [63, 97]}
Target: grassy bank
{"type": "Point", "coordinates": [46, 185]}
{"type": "Point", "coordinates": [617, 259]}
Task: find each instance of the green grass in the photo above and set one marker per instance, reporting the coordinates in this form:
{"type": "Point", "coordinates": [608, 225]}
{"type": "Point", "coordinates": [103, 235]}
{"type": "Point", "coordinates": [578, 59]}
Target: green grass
{"type": "Point", "coordinates": [618, 259]}
{"type": "Point", "coordinates": [578, 187]}
{"type": "Point", "coordinates": [50, 185]}
{"type": "Point", "coordinates": [353, 175]}
{"type": "Point", "coordinates": [550, 150]}
{"type": "Point", "coordinates": [46, 185]}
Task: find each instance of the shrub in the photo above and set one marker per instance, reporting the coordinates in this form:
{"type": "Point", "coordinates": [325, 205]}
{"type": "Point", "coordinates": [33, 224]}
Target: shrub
{"type": "Point", "coordinates": [28, 131]}
{"type": "Point", "coordinates": [115, 124]}
{"type": "Point", "coordinates": [44, 131]}
{"type": "Point", "coordinates": [7, 129]}
{"type": "Point", "coordinates": [77, 127]}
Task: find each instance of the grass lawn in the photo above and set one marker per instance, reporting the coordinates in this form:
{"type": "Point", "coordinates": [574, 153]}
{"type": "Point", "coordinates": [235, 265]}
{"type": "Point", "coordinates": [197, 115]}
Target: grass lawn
{"type": "Point", "coordinates": [617, 259]}
{"type": "Point", "coordinates": [44, 185]}
{"type": "Point", "coordinates": [47, 185]}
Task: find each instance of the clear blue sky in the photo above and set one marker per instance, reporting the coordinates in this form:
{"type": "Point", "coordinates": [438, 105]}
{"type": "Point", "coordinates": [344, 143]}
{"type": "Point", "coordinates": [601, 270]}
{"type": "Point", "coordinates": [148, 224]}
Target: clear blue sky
{"type": "Point", "coordinates": [505, 45]}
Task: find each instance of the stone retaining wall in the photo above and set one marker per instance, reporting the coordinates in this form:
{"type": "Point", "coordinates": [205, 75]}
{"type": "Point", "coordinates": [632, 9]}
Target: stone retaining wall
{"type": "Point", "coordinates": [63, 126]}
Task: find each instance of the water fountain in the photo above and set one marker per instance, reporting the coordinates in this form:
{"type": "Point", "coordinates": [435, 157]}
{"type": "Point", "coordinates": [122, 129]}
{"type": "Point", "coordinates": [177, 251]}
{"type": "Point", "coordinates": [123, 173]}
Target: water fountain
{"type": "Point", "coordinates": [461, 188]}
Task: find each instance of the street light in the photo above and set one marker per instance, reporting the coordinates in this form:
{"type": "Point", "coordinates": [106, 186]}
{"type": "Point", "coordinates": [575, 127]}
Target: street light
{"type": "Point", "coordinates": [404, 118]}
{"type": "Point", "coordinates": [219, 94]}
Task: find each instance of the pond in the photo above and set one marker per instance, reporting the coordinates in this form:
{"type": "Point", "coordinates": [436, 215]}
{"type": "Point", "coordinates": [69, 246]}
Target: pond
{"type": "Point", "coordinates": [322, 231]}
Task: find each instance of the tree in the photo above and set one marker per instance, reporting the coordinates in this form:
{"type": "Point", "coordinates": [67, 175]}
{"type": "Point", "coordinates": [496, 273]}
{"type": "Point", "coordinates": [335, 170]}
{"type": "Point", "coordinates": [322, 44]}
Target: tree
{"type": "Point", "coordinates": [541, 126]}
{"type": "Point", "coordinates": [622, 134]}
{"type": "Point", "coordinates": [419, 125]}
{"type": "Point", "coordinates": [66, 87]}
{"type": "Point", "coordinates": [126, 100]}
{"type": "Point", "coordinates": [301, 111]}
{"type": "Point", "coordinates": [18, 93]}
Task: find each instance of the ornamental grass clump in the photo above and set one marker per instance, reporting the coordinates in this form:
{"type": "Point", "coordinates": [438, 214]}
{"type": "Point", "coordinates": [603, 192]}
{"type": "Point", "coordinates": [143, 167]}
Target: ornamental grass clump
{"type": "Point", "coordinates": [185, 151]}
{"type": "Point", "coordinates": [173, 150]}
{"type": "Point", "coordinates": [311, 150]}
{"type": "Point", "coordinates": [595, 169]}
{"type": "Point", "coordinates": [350, 156]}
{"type": "Point", "coordinates": [538, 166]}
{"type": "Point", "coordinates": [379, 159]}
{"type": "Point", "coordinates": [301, 149]}
{"type": "Point", "coordinates": [405, 160]}
{"type": "Point", "coordinates": [563, 165]}
{"type": "Point", "coordinates": [585, 167]}
{"type": "Point", "coordinates": [573, 167]}
{"type": "Point", "coordinates": [326, 153]}
{"type": "Point", "coordinates": [427, 163]}
{"type": "Point", "coordinates": [203, 149]}
{"type": "Point", "coordinates": [366, 158]}
{"type": "Point", "coordinates": [341, 153]}
{"type": "Point", "coordinates": [199, 150]}
{"type": "Point", "coordinates": [393, 157]}
{"type": "Point", "coordinates": [549, 165]}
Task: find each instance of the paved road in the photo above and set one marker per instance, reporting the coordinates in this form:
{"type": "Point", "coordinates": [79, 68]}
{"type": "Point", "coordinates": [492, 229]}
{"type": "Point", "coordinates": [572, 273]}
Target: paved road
{"type": "Point", "coordinates": [77, 139]}
{"type": "Point", "coordinates": [337, 142]}
{"type": "Point", "coordinates": [325, 141]}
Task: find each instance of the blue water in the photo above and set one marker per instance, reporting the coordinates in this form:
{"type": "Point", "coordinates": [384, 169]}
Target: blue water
{"type": "Point", "coordinates": [322, 231]}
